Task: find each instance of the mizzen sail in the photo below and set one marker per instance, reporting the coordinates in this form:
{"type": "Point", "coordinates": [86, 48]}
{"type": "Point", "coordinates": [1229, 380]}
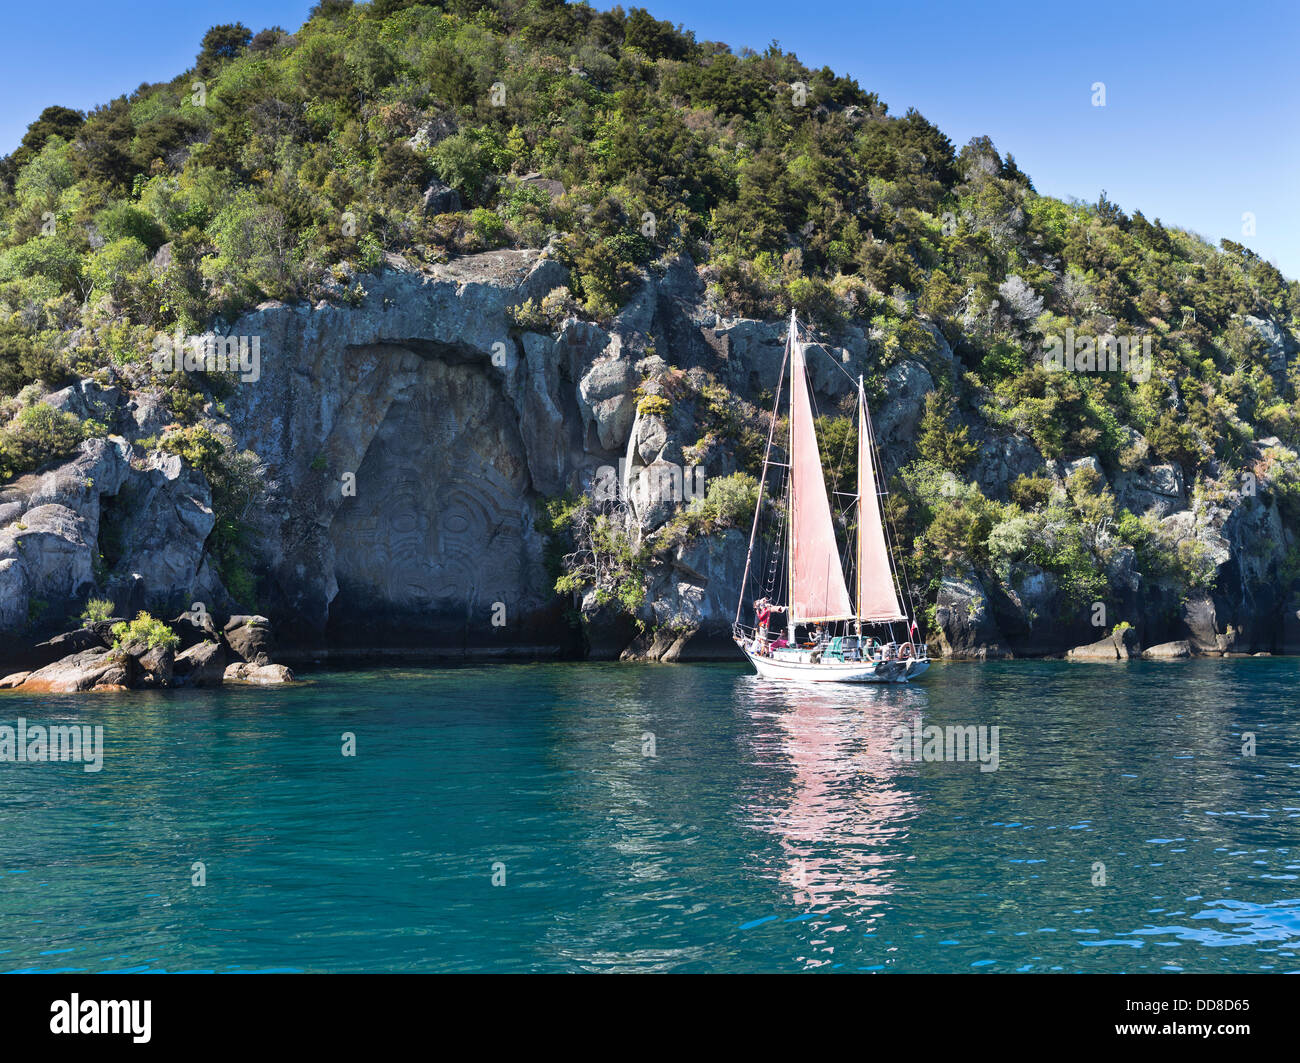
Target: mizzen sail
{"type": "Point", "coordinates": [817, 587]}
{"type": "Point", "coordinates": [877, 597]}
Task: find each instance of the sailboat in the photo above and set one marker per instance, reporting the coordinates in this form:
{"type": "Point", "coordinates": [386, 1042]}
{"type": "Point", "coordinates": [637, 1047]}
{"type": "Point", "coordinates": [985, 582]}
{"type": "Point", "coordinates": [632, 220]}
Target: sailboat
{"type": "Point", "coordinates": [846, 639]}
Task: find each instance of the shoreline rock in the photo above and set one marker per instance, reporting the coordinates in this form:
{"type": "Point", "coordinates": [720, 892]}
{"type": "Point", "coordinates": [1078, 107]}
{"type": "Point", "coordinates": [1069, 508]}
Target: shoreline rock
{"type": "Point", "coordinates": [1119, 645]}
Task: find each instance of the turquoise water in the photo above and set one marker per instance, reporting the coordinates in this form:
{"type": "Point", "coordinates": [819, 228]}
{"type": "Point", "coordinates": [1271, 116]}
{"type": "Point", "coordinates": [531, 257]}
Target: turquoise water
{"type": "Point", "coordinates": [773, 830]}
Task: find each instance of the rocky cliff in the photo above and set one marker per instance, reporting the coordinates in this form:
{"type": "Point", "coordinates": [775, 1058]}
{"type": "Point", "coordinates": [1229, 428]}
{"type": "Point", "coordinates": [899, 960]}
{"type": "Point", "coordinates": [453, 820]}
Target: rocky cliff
{"type": "Point", "coordinates": [409, 436]}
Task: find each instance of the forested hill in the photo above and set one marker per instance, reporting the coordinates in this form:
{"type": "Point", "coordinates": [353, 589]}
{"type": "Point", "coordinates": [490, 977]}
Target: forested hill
{"type": "Point", "coordinates": [287, 165]}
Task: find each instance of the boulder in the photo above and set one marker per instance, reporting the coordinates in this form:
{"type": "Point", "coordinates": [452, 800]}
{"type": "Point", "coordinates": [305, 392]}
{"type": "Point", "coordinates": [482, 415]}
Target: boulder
{"type": "Point", "coordinates": [1002, 460]}
{"type": "Point", "coordinates": [434, 131]}
{"type": "Point", "coordinates": [263, 675]}
{"type": "Point", "coordinates": [66, 645]}
{"type": "Point", "coordinates": [655, 491]}
{"type": "Point", "coordinates": [552, 188]}
{"type": "Point", "coordinates": [86, 399]}
{"type": "Point", "coordinates": [201, 665]}
{"type": "Point", "coordinates": [154, 667]}
{"type": "Point", "coordinates": [79, 672]}
{"type": "Point", "coordinates": [193, 629]}
{"type": "Point", "coordinates": [1120, 645]}
{"type": "Point", "coordinates": [250, 639]}
{"type": "Point", "coordinates": [1168, 651]}
{"type": "Point", "coordinates": [1201, 621]}
{"type": "Point", "coordinates": [1280, 346]}
{"type": "Point", "coordinates": [607, 403]}
{"type": "Point", "coordinates": [440, 199]}
{"type": "Point", "coordinates": [651, 438]}
{"type": "Point", "coordinates": [13, 680]}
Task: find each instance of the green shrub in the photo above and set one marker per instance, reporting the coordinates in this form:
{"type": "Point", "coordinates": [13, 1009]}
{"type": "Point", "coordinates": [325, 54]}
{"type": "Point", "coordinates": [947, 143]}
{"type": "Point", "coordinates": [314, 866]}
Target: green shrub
{"type": "Point", "coordinates": [653, 406]}
{"type": "Point", "coordinates": [39, 435]}
{"type": "Point", "coordinates": [729, 501]}
{"type": "Point", "coordinates": [144, 628]}
{"type": "Point", "coordinates": [937, 441]}
{"type": "Point", "coordinates": [97, 610]}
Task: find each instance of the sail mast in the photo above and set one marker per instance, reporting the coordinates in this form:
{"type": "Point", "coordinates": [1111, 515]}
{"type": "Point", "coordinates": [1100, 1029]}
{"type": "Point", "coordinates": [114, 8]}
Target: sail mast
{"type": "Point", "coordinates": [860, 560]}
{"type": "Point", "coordinates": [758, 503]}
{"type": "Point", "coordinates": [796, 361]}
{"type": "Point", "coordinates": [818, 590]}
{"type": "Point", "coordinates": [877, 594]}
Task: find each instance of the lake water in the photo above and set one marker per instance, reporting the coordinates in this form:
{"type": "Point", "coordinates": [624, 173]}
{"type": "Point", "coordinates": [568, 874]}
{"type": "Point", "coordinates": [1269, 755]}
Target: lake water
{"type": "Point", "coordinates": [774, 828]}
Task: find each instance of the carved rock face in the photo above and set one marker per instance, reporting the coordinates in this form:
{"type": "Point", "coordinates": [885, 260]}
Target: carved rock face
{"type": "Point", "coordinates": [440, 529]}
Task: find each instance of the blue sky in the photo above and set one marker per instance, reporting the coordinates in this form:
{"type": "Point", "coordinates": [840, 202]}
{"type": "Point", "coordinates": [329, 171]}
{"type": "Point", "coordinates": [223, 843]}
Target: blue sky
{"type": "Point", "coordinates": [1200, 125]}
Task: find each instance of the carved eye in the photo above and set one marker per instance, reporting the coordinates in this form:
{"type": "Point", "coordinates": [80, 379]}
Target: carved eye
{"type": "Point", "coordinates": [404, 523]}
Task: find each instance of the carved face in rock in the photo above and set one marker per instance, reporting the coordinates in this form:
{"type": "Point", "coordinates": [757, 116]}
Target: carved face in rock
{"type": "Point", "coordinates": [437, 525]}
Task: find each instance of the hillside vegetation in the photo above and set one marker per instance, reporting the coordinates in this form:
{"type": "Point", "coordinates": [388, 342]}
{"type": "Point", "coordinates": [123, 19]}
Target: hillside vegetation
{"type": "Point", "coordinates": [286, 165]}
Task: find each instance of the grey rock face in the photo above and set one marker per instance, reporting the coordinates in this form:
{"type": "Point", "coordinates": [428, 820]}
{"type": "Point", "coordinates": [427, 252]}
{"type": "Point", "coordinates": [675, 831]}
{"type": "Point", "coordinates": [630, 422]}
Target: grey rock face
{"type": "Point", "coordinates": [49, 550]}
{"type": "Point", "coordinates": [410, 442]}
{"type": "Point", "coordinates": [1002, 460]}
{"type": "Point", "coordinates": [250, 639]}
{"type": "Point", "coordinates": [907, 385]}
{"type": "Point", "coordinates": [965, 618]}
{"type": "Point", "coordinates": [1280, 345]}
{"type": "Point", "coordinates": [440, 199]}
{"type": "Point", "coordinates": [202, 665]}
{"type": "Point", "coordinates": [608, 406]}
{"type": "Point", "coordinates": [1156, 489]}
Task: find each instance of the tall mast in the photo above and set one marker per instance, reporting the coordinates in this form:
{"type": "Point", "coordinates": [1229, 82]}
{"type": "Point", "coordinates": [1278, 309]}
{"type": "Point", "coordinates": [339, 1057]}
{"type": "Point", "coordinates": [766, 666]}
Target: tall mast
{"type": "Point", "coordinates": [860, 559]}
{"type": "Point", "coordinates": [789, 517]}
{"type": "Point", "coordinates": [758, 503]}
{"type": "Point", "coordinates": [877, 582]}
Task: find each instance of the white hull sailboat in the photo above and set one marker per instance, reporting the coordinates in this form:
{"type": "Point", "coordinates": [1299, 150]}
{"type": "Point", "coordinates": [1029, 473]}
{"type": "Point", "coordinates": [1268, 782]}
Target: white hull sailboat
{"type": "Point", "coordinates": [845, 639]}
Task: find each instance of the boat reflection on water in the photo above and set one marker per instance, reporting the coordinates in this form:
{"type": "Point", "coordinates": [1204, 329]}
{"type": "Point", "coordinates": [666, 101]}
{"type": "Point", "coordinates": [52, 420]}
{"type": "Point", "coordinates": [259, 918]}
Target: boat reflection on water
{"type": "Point", "coordinates": [842, 821]}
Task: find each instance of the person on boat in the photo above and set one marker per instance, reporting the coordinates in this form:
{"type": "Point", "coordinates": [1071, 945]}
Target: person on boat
{"type": "Point", "coordinates": [887, 653]}
{"type": "Point", "coordinates": [781, 643]}
{"type": "Point", "coordinates": [763, 610]}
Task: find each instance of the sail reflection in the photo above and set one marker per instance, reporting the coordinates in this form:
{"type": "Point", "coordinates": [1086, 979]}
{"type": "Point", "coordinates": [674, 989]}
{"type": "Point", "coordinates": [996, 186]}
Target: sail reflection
{"type": "Point", "coordinates": [842, 821]}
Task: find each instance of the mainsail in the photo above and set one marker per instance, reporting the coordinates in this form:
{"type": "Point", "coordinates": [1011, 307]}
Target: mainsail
{"type": "Point", "coordinates": [877, 598]}
{"type": "Point", "coordinates": [817, 587]}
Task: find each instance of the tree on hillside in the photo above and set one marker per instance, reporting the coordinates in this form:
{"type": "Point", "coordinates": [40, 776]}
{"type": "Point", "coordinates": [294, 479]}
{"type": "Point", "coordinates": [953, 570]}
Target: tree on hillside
{"type": "Point", "coordinates": [53, 122]}
{"type": "Point", "coordinates": [222, 43]}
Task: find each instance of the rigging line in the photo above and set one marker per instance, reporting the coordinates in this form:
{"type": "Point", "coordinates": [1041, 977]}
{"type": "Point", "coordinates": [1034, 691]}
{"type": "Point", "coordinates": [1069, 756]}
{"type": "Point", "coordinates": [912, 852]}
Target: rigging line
{"type": "Point", "coordinates": [887, 526]}
{"type": "Point", "coordinates": [758, 505]}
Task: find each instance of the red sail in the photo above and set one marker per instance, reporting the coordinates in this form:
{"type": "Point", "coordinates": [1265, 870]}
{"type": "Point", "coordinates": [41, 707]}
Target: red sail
{"type": "Point", "coordinates": [877, 599]}
{"type": "Point", "coordinates": [817, 587]}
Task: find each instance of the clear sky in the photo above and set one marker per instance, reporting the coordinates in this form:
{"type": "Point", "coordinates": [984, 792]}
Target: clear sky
{"type": "Point", "coordinates": [1200, 125]}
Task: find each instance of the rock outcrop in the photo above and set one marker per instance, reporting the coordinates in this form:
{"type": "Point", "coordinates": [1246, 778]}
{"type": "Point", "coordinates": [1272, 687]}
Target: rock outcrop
{"type": "Point", "coordinates": [1168, 651]}
{"type": "Point", "coordinates": [1120, 645]}
{"type": "Point", "coordinates": [967, 630]}
{"type": "Point", "coordinates": [412, 431]}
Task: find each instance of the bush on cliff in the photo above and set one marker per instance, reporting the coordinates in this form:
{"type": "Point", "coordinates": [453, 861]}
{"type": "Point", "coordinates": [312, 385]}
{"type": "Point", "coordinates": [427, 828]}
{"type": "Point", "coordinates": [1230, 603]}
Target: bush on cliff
{"type": "Point", "coordinates": [38, 435]}
{"type": "Point", "coordinates": [146, 630]}
{"type": "Point", "coordinates": [235, 477]}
